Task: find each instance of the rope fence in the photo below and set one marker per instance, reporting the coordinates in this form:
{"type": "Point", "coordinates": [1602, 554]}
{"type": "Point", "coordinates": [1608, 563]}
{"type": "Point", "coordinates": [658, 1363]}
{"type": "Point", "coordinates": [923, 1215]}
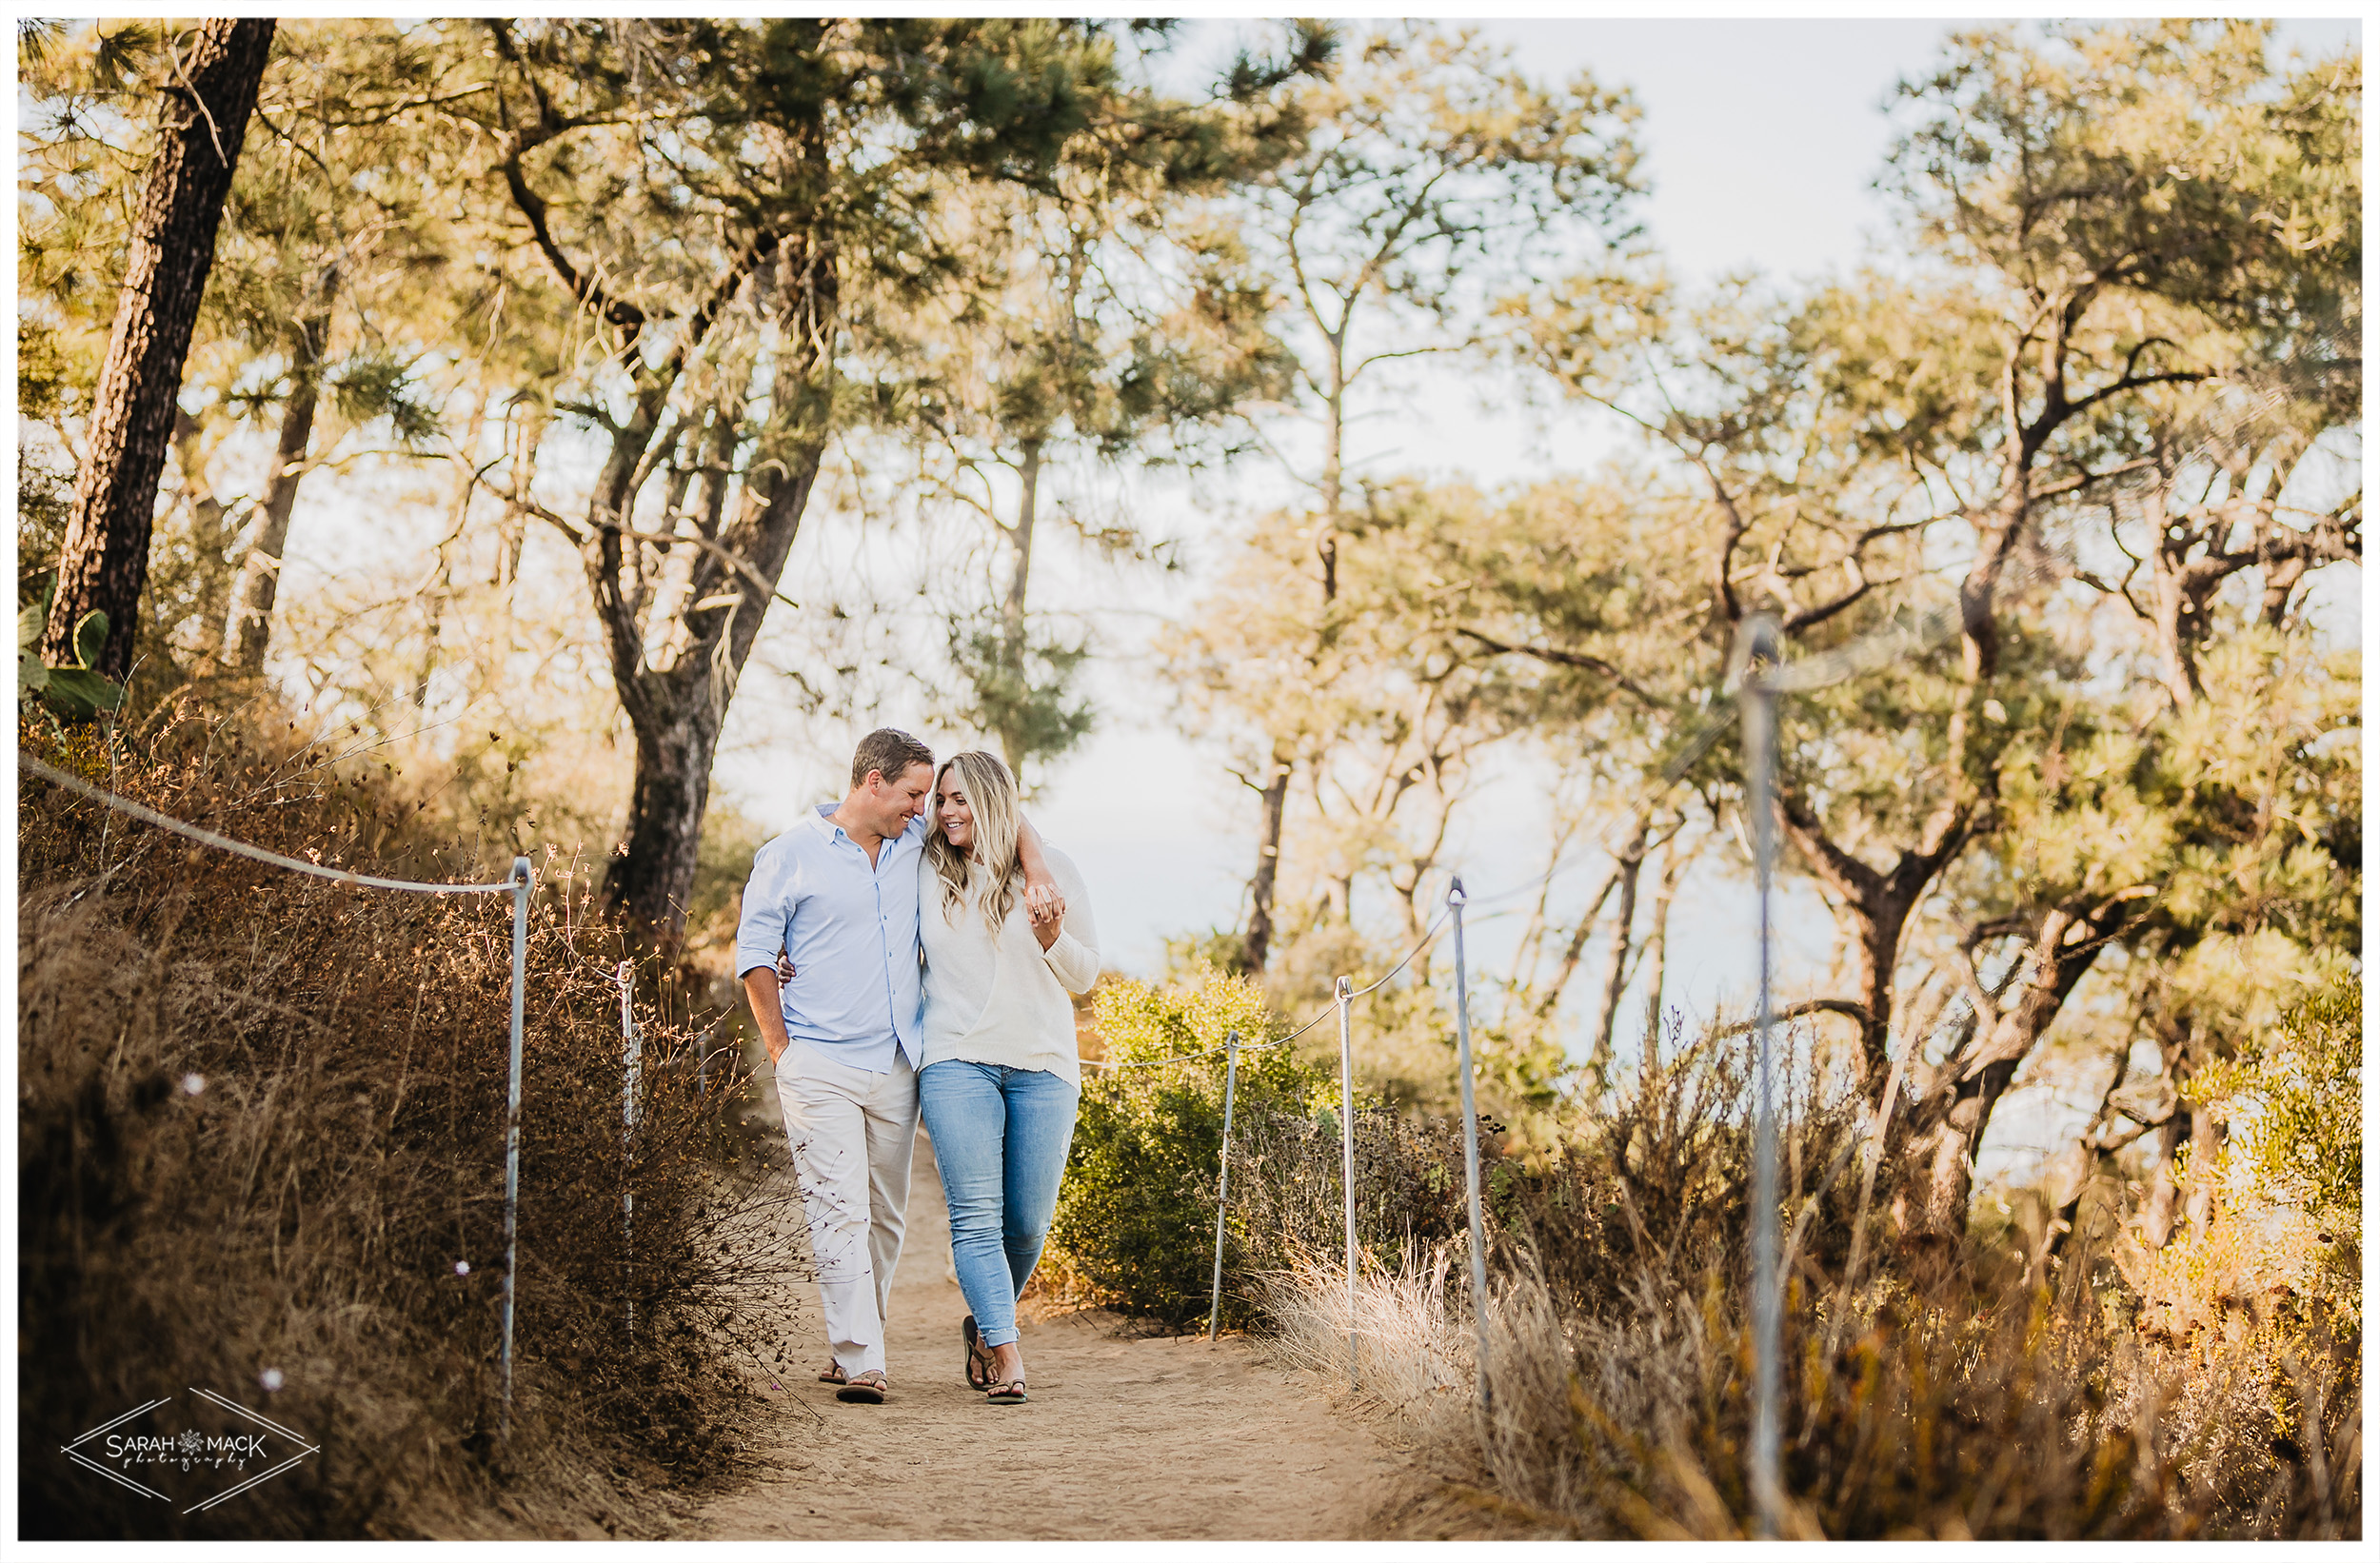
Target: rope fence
{"type": "Point", "coordinates": [224, 844]}
{"type": "Point", "coordinates": [518, 885]}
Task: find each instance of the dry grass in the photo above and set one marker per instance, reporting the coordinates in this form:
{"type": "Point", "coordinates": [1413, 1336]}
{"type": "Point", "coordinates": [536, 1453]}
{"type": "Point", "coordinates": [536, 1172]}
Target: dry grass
{"type": "Point", "coordinates": [1410, 1356]}
{"type": "Point", "coordinates": [261, 1128]}
{"type": "Point", "coordinates": [1937, 1397]}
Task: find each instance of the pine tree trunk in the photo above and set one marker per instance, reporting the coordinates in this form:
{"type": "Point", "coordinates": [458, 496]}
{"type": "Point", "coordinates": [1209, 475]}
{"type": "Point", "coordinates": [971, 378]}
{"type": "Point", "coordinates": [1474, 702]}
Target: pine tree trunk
{"type": "Point", "coordinates": [1012, 734]}
{"type": "Point", "coordinates": [2207, 1134]}
{"type": "Point", "coordinates": [212, 536]}
{"type": "Point", "coordinates": [103, 561]}
{"type": "Point", "coordinates": [260, 578]}
{"type": "Point", "coordinates": [1656, 949]}
{"type": "Point", "coordinates": [677, 656]}
{"type": "Point", "coordinates": [677, 713]}
{"type": "Point", "coordinates": [1615, 972]}
{"type": "Point", "coordinates": [1880, 902]}
{"type": "Point", "coordinates": [650, 884]}
{"type": "Point", "coordinates": [441, 589]}
{"type": "Point", "coordinates": [2158, 1209]}
{"type": "Point", "coordinates": [1261, 890]}
{"type": "Point", "coordinates": [1550, 995]}
{"type": "Point", "coordinates": [1948, 1123]}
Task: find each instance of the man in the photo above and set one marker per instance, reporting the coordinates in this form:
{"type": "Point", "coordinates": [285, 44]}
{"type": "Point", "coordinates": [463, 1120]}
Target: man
{"type": "Point", "coordinates": [838, 894]}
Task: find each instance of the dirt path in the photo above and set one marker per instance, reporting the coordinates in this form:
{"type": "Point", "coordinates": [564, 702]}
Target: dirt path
{"type": "Point", "coordinates": [1162, 1438]}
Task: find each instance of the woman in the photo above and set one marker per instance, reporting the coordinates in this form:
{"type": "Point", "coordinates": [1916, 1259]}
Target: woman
{"type": "Point", "coordinates": [1000, 1082]}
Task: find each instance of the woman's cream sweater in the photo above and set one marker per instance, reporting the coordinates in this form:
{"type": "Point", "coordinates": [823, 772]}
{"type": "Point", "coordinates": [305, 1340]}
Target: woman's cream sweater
{"type": "Point", "coordinates": [1004, 1000]}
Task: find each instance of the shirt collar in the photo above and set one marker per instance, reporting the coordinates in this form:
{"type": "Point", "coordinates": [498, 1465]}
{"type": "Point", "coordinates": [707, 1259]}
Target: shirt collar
{"type": "Point", "coordinates": [833, 832]}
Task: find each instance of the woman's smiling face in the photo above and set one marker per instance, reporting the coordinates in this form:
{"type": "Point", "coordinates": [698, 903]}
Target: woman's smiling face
{"type": "Point", "coordinates": [951, 808]}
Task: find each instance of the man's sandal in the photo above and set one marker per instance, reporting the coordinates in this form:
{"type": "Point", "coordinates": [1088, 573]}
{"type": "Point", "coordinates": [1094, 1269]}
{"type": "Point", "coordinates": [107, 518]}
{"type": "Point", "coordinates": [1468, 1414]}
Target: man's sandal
{"type": "Point", "coordinates": [1010, 1392]}
{"type": "Point", "coordinates": [980, 1358]}
{"type": "Point", "coordinates": [832, 1374]}
{"type": "Point", "coordinates": [867, 1389]}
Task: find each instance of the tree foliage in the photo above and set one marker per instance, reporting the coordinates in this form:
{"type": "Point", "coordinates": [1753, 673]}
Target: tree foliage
{"type": "Point", "coordinates": [2127, 231]}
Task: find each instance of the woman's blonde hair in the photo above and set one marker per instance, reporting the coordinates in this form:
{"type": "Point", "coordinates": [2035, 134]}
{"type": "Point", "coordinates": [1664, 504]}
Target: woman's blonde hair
{"type": "Point", "coordinates": [991, 793]}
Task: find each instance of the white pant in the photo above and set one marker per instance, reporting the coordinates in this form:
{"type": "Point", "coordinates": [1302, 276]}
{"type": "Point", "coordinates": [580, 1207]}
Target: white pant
{"type": "Point", "coordinates": [852, 1133]}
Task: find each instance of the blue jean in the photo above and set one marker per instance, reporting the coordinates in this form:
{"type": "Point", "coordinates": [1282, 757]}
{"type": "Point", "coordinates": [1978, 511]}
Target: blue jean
{"type": "Point", "coordinates": [1000, 1138]}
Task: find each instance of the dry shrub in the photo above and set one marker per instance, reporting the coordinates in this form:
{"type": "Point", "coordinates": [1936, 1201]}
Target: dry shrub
{"type": "Point", "coordinates": [1931, 1397]}
{"type": "Point", "coordinates": [1412, 1353]}
{"type": "Point", "coordinates": [1288, 1186]}
{"type": "Point", "coordinates": [261, 1126]}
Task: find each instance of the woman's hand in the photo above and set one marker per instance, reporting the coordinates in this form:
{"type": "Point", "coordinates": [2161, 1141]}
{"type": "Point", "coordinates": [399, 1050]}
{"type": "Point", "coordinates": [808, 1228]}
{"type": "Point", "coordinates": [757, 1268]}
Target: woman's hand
{"type": "Point", "coordinates": [1043, 905]}
{"type": "Point", "coordinates": [785, 966]}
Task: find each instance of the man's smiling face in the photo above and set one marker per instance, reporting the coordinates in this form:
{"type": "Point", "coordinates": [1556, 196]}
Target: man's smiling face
{"type": "Point", "coordinates": [891, 804]}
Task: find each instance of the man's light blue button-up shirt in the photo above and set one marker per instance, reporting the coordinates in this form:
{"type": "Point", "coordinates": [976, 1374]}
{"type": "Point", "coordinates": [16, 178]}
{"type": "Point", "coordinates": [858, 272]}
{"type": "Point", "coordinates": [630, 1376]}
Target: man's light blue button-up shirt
{"type": "Point", "coordinates": [852, 932]}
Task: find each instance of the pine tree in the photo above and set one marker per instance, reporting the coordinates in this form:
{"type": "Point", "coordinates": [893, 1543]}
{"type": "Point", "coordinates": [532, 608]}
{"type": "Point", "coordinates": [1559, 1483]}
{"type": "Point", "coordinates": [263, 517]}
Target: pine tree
{"type": "Point", "coordinates": [203, 120]}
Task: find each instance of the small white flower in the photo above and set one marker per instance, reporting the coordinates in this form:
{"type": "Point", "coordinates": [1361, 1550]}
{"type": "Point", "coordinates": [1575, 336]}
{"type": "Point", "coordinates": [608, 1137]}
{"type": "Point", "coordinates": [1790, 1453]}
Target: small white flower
{"type": "Point", "coordinates": [462, 1267]}
{"type": "Point", "coordinates": [270, 1378]}
{"type": "Point", "coordinates": [193, 1085]}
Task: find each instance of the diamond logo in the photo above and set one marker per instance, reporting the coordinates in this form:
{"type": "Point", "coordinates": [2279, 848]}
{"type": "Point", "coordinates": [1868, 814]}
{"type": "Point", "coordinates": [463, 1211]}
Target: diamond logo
{"type": "Point", "coordinates": [191, 1452]}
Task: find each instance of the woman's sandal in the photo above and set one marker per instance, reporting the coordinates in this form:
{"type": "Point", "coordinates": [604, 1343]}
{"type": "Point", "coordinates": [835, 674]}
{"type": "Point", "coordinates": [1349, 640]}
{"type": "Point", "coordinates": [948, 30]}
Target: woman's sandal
{"type": "Point", "coordinates": [980, 1358]}
{"type": "Point", "coordinates": [1009, 1394]}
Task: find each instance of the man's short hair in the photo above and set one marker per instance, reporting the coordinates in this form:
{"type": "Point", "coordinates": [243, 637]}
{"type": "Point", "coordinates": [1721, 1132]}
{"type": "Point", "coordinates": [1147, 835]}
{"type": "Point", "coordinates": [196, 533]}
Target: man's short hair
{"type": "Point", "coordinates": [889, 750]}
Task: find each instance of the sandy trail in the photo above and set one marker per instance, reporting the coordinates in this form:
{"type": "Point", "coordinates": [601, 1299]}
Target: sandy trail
{"type": "Point", "coordinates": [1162, 1438]}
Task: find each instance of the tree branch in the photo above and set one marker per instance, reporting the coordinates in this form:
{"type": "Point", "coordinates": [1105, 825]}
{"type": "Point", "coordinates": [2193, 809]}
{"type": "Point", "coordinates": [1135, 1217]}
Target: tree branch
{"type": "Point", "coordinates": [619, 312]}
{"type": "Point", "coordinates": [1564, 659]}
{"type": "Point", "coordinates": [1851, 1008]}
{"type": "Point", "coordinates": [1848, 875]}
{"type": "Point", "coordinates": [579, 531]}
{"type": "Point", "coordinates": [2175, 377]}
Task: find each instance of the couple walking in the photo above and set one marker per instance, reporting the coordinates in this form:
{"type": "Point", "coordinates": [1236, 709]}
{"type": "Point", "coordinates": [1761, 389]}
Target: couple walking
{"type": "Point", "coordinates": [908, 952]}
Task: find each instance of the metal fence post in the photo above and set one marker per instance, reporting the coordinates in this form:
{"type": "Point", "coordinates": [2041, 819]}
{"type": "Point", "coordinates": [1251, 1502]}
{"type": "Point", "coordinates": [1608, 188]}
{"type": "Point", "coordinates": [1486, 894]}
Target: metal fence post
{"type": "Point", "coordinates": [512, 1131]}
{"type": "Point", "coordinates": [1223, 1179]}
{"type": "Point", "coordinates": [1347, 1162]}
{"type": "Point", "coordinates": [1760, 652]}
{"type": "Point", "coordinates": [1455, 900]}
{"type": "Point", "coordinates": [632, 1076]}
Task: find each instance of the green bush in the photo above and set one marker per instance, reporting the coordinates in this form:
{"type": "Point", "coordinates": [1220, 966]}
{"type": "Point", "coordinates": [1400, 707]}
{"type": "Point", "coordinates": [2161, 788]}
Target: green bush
{"type": "Point", "coordinates": [1135, 1226]}
{"type": "Point", "coordinates": [2294, 1098]}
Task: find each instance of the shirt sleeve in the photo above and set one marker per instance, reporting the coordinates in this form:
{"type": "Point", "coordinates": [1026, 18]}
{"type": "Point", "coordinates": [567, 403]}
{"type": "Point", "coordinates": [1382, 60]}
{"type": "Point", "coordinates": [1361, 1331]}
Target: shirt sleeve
{"type": "Point", "coordinates": [1073, 955]}
{"type": "Point", "coordinates": [761, 928]}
